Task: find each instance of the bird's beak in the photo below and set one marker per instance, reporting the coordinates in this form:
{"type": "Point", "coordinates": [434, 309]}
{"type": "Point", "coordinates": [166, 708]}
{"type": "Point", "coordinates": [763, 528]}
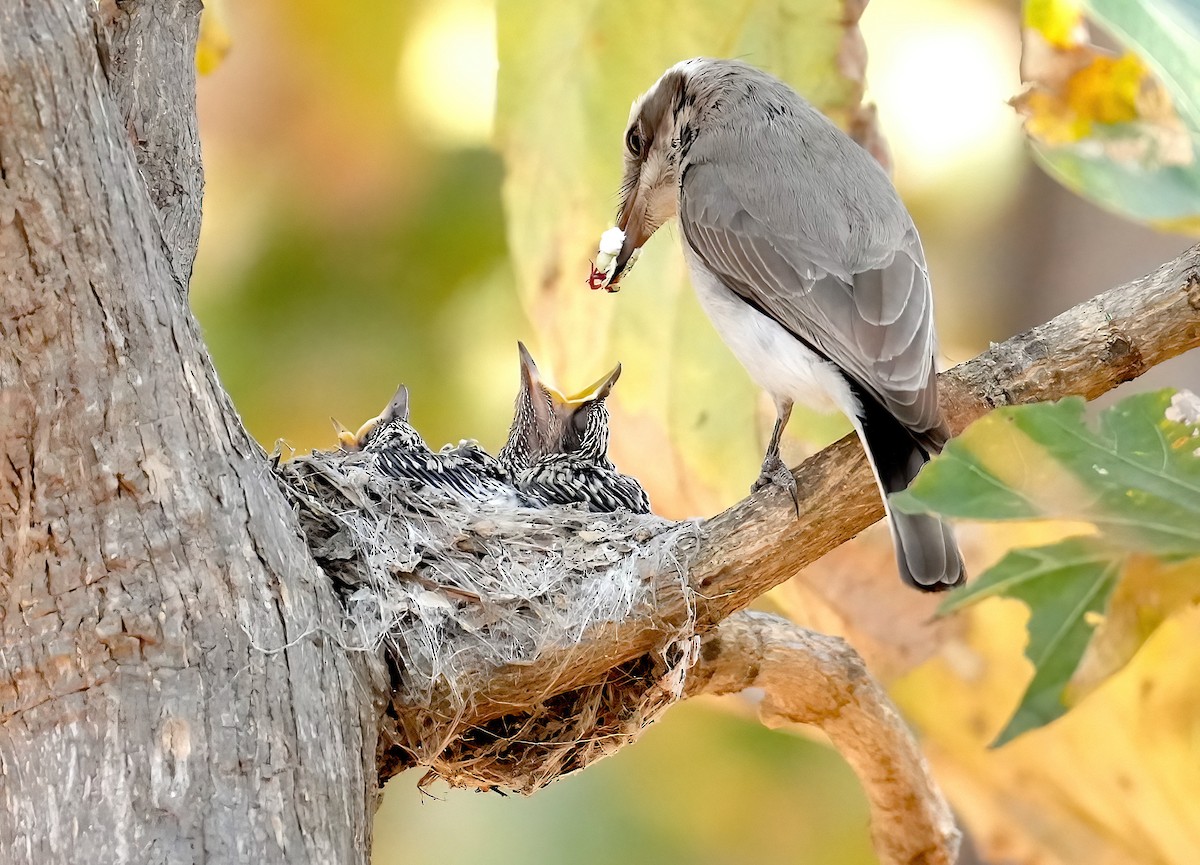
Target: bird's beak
{"type": "Point", "coordinates": [353, 441]}
{"type": "Point", "coordinates": [398, 407]}
{"type": "Point", "coordinates": [529, 370]}
{"type": "Point", "coordinates": [531, 384]}
{"type": "Point", "coordinates": [632, 221]}
{"type": "Point", "coordinates": [597, 390]}
{"type": "Point", "coordinates": [347, 439]}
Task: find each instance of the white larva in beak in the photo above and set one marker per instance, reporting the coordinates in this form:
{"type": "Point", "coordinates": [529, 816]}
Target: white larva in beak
{"type": "Point", "coordinates": [610, 245]}
{"type": "Point", "coordinates": [604, 270]}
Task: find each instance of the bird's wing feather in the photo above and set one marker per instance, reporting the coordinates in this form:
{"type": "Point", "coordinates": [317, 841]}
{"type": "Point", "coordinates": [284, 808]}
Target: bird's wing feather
{"type": "Point", "coordinates": [872, 318]}
{"type": "Point", "coordinates": [564, 479]}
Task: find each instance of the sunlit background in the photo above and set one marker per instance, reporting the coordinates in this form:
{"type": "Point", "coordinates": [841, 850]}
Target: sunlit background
{"type": "Point", "coordinates": [354, 237]}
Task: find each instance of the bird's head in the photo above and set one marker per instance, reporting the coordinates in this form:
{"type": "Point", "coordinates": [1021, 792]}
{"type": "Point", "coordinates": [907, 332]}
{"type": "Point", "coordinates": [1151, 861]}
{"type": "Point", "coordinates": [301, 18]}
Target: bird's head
{"type": "Point", "coordinates": [656, 140]}
{"type": "Point", "coordinates": [533, 417]}
{"type": "Point", "coordinates": [392, 417]}
{"type": "Point", "coordinates": [583, 417]}
{"type": "Point", "coordinates": [545, 420]}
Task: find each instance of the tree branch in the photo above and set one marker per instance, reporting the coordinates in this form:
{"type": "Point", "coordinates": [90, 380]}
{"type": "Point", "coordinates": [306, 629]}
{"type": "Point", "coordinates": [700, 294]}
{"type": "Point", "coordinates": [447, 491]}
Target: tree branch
{"type": "Point", "coordinates": [1086, 351]}
{"type": "Point", "coordinates": [811, 678]}
{"type": "Point", "coordinates": [526, 643]}
{"type": "Point", "coordinates": [759, 543]}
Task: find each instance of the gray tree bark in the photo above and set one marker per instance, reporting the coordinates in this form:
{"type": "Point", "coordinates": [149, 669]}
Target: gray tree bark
{"type": "Point", "coordinates": [165, 691]}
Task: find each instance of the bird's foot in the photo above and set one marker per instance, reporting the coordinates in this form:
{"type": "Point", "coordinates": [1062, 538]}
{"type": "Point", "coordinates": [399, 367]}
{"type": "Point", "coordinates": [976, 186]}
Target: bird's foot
{"type": "Point", "coordinates": [775, 473]}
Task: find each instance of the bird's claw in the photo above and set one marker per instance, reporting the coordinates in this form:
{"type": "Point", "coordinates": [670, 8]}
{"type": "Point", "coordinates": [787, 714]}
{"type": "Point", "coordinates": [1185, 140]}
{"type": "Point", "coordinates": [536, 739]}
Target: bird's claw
{"type": "Point", "coordinates": [775, 474]}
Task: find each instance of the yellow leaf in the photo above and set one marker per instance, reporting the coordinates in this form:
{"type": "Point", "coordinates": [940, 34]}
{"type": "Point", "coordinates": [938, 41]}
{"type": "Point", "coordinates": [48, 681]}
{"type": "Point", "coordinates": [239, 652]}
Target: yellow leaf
{"type": "Point", "coordinates": [1110, 783]}
{"type": "Point", "coordinates": [1048, 120]}
{"type": "Point", "coordinates": [214, 42]}
{"type": "Point", "coordinates": [1106, 91]}
{"type": "Point", "coordinates": [1059, 21]}
{"type": "Point", "coordinates": [1075, 91]}
{"type": "Point", "coordinates": [1149, 592]}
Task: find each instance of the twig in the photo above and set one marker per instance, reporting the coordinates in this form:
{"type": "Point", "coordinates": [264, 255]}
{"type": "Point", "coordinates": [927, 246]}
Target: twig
{"type": "Point", "coordinates": [811, 678]}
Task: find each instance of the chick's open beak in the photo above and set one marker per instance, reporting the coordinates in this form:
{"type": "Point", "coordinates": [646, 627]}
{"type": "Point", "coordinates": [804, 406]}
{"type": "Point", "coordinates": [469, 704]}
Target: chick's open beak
{"type": "Point", "coordinates": [396, 409]}
{"type": "Point", "coordinates": [598, 389]}
{"type": "Point", "coordinates": [353, 441]}
{"type": "Point", "coordinates": [346, 439]}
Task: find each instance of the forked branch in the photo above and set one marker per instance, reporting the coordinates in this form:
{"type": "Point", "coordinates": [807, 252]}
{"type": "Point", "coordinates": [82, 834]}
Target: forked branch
{"type": "Point", "coordinates": [527, 643]}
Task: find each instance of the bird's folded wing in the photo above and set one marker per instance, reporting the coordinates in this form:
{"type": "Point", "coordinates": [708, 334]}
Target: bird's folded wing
{"type": "Point", "coordinates": [873, 319]}
{"type": "Point", "coordinates": [564, 479]}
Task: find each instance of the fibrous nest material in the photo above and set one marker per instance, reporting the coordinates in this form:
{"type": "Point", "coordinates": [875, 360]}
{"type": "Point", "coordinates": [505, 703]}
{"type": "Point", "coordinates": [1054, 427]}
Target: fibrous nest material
{"type": "Point", "coordinates": [449, 590]}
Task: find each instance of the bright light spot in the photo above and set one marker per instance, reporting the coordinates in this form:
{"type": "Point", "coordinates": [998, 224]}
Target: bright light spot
{"type": "Point", "coordinates": [447, 71]}
{"type": "Point", "coordinates": [941, 72]}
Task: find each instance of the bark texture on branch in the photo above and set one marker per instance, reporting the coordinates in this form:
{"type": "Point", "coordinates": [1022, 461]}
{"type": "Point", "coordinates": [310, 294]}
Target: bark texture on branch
{"type": "Point", "coordinates": [811, 678]}
{"type": "Point", "coordinates": [166, 692]}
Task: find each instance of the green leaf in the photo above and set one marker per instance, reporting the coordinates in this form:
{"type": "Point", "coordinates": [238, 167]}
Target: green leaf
{"type": "Point", "coordinates": [1167, 197]}
{"type": "Point", "coordinates": [1135, 475]}
{"type": "Point", "coordinates": [1136, 478]}
{"type": "Point", "coordinates": [1065, 585]}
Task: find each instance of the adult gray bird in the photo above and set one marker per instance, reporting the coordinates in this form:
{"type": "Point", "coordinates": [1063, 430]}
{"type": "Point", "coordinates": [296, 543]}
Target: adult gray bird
{"type": "Point", "coordinates": [808, 264]}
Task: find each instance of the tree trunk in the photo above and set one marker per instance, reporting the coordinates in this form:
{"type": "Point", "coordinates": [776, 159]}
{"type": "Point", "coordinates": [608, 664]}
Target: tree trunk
{"type": "Point", "coordinates": [167, 691]}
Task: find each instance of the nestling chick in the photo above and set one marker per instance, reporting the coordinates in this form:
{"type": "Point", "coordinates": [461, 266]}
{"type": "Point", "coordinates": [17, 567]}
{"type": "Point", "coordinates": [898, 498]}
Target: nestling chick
{"type": "Point", "coordinates": [464, 470]}
{"type": "Point", "coordinates": [557, 448]}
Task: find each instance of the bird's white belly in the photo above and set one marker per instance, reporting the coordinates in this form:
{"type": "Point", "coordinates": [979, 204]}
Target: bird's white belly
{"type": "Point", "coordinates": [781, 364]}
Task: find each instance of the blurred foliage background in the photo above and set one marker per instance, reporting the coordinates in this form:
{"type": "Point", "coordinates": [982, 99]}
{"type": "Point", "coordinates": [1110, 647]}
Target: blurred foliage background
{"type": "Point", "coordinates": [355, 236]}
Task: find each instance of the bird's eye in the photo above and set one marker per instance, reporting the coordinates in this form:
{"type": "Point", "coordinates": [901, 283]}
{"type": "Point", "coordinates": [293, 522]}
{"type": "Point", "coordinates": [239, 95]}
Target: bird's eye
{"type": "Point", "coordinates": [633, 141]}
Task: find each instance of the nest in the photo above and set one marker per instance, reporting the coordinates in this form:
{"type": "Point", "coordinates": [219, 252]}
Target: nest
{"type": "Point", "coordinates": [448, 591]}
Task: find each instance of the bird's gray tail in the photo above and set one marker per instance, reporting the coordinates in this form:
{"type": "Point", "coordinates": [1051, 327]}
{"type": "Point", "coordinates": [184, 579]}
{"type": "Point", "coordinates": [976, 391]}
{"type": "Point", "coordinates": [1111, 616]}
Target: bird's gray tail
{"type": "Point", "coordinates": [926, 551]}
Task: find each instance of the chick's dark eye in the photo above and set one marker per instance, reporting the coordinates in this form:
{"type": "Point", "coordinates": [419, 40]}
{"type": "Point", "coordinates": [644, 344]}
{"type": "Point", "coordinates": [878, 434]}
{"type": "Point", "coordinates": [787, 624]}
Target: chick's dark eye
{"type": "Point", "coordinates": [633, 141]}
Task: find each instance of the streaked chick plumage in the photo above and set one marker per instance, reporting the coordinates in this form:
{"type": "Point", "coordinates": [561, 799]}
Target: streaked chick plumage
{"type": "Point", "coordinates": [464, 470]}
{"type": "Point", "coordinates": [557, 448]}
